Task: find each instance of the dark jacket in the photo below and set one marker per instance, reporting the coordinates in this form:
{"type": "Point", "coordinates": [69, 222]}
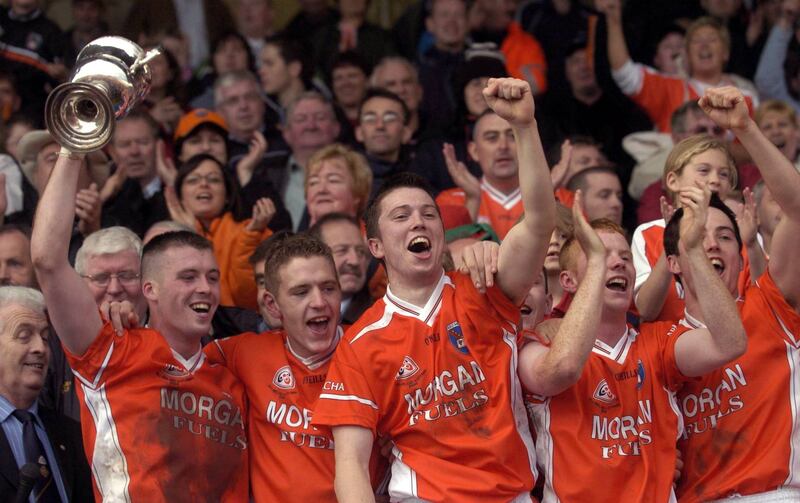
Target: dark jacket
{"type": "Point", "coordinates": [65, 439]}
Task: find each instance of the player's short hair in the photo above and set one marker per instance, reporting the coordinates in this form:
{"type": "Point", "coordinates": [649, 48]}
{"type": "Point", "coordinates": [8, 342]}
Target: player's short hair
{"type": "Point", "coordinates": [291, 51]}
{"type": "Point", "coordinates": [167, 241]}
{"type": "Point", "coordinates": [290, 247]}
{"type": "Point", "coordinates": [386, 61]}
{"type": "Point", "coordinates": [478, 119]}
{"type": "Point", "coordinates": [29, 298]}
{"type": "Point", "coordinates": [686, 149]}
{"type": "Point", "coordinates": [398, 181]}
{"type": "Point", "coordinates": [708, 21]}
{"type": "Point", "coordinates": [12, 228]}
{"type": "Point", "coordinates": [776, 106]}
{"type": "Point", "coordinates": [579, 180]}
{"type": "Point", "coordinates": [678, 118]}
{"type": "Point", "coordinates": [330, 218]}
{"type": "Point", "coordinates": [107, 241]}
{"type": "Point", "coordinates": [672, 235]}
{"type": "Point", "coordinates": [355, 163]}
{"type": "Point", "coordinates": [379, 92]}
{"type": "Point", "coordinates": [568, 259]}
{"type": "Point", "coordinates": [264, 247]}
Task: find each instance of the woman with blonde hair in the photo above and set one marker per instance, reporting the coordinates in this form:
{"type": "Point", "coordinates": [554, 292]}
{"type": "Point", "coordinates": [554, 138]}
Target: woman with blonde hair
{"type": "Point", "coordinates": [338, 179]}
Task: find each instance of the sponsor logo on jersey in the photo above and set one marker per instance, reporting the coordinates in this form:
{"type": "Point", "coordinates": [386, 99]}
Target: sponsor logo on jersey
{"type": "Point", "coordinates": [283, 378]}
{"type": "Point", "coordinates": [604, 395]}
{"type": "Point", "coordinates": [408, 368]}
{"type": "Point", "coordinates": [456, 337]}
{"type": "Point", "coordinates": [172, 372]}
{"type": "Point", "coordinates": [639, 374]}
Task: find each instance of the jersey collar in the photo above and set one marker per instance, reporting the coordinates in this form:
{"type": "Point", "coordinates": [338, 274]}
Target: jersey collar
{"type": "Point", "coordinates": [316, 361]}
{"type": "Point", "coordinates": [507, 201]}
{"type": "Point", "coordinates": [425, 313]}
{"type": "Point", "coordinates": [619, 351]}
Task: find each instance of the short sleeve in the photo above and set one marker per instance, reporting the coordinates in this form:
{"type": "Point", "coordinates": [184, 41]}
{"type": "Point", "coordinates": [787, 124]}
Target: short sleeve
{"type": "Point", "coordinates": [346, 397]}
{"type": "Point", "coordinates": [494, 298]}
{"type": "Point", "coordinates": [108, 348]}
{"type": "Point", "coordinates": [787, 317]}
{"type": "Point", "coordinates": [668, 335]}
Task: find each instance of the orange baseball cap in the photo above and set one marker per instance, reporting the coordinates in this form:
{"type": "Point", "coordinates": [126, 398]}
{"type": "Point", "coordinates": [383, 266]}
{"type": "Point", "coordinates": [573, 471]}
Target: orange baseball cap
{"type": "Point", "coordinates": [196, 118]}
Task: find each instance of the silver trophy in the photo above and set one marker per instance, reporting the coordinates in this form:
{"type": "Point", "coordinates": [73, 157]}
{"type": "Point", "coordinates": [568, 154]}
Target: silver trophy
{"type": "Point", "coordinates": [110, 78]}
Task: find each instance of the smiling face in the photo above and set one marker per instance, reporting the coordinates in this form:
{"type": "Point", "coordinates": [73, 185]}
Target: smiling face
{"type": "Point", "coordinates": [722, 249]}
{"type": "Point", "coordinates": [399, 78]}
{"type": "Point", "coordinates": [706, 168]}
{"type": "Point", "coordinates": [121, 271]}
{"type": "Point", "coordinates": [24, 353]}
{"type": "Point", "coordinates": [782, 132]}
{"type": "Point", "coordinates": [495, 149]}
{"type": "Point", "coordinates": [410, 235]}
{"type": "Point", "coordinates": [182, 291]}
{"type": "Point", "coordinates": [241, 105]}
{"type": "Point", "coordinates": [311, 125]}
{"type": "Point", "coordinates": [706, 52]}
{"type": "Point", "coordinates": [620, 273]}
{"type": "Point", "coordinates": [668, 52]}
{"type": "Point", "coordinates": [330, 189]}
{"type": "Point", "coordinates": [448, 24]}
{"type": "Point", "coordinates": [381, 129]}
{"type": "Point", "coordinates": [307, 303]}
{"type": "Point", "coordinates": [350, 254]}
{"type": "Point", "coordinates": [203, 191]}
{"type": "Point", "coordinates": [349, 85]}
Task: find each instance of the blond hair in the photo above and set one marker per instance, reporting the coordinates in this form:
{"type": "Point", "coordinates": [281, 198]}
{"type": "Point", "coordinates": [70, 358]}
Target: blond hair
{"type": "Point", "coordinates": [776, 106]}
{"type": "Point", "coordinates": [682, 153]}
{"type": "Point", "coordinates": [356, 165]}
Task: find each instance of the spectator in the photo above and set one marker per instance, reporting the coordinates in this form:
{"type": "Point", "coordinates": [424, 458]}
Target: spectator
{"type": "Point", "coordinates": [525, 59]}
{"type": "Point", "coordinates": [399, 76]}
{"type": "Point", "coordinates": [229, 53]}
{"type": "Point", "coordinates": [338, 180]}
{"type": "Point", "coordinates": [349, 84]}
{"type": "Point", "coordinates": [134, 195]}
{"type": "Point", "coordinates": [314, 15]}
{"type": "Point", "coordinates": [669, 56]}
{"type": "Point", "coordinates": [33, 433]}
{"type": "Point", "coordinates": [383, 130]}
{"type": "Point", "coordinates": [778, 121]}
{"type": "Point", "coordinates": [342, 233]}
{"type": "Point", "coordinates": [283, 72]}
{"type": "Point", "coordinates": [775, 77]}
{"type": "Point", "coordinates": [602, 193]}
{"type": "Point", "coordinates": [205, 198]}
{"type": "Point", "coordinates": [10, 100]}
{"type": "Point", "coordinates": [164, 102]}
{"type": "Point", "coordinates": [33, 52]}
{"type": "Point", "coordinates": [199, 22]}
{"type": "Point", "coordinates": [87, 16]}
{"type": "Point", "coordinates": [254, 20]}
{"type": "Point", "coordinates": [708, 50]}
{"type": "Point", "coordinates": [561, 299]}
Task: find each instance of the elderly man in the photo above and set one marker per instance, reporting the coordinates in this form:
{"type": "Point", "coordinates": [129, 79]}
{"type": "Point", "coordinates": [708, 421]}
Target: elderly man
{"type": "Point", "coordinates": [351, 256]}
{"type": "Point", "coordinates": [31, 433]}
{"type": "Point", "coordinates": [399, 76]}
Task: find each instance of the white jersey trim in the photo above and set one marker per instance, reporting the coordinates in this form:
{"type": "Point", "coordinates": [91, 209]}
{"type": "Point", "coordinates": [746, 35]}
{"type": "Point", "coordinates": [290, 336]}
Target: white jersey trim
{"type": "Point", "coordinates": [93, 384]}
{"type": "Point", "coordinates": [403, 484]}
{"type": "Point", "coordinates": [793, 359]}
{"type": "Point", "coordinates": [349, 398]}
{"type": "Point", "coordinates": [109, 466]}
{"type": "Point", "coordinates": [507, 201]}
{"type": "Point", "coordinates": [518, 403]}
{"type": "Point", "coordinates": [427, 313]}
{"type": "Point", "coordinates": [544, 447]}
{"type": "Point", "coordinates": [619, 351]}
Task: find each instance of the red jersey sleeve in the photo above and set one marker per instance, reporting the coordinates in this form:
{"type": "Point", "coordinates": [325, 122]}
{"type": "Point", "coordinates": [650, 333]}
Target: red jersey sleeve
{"type": "Point", "coordinates": [788, 318]}
{"type": "Point", "coordinates": [669, 334]}
{"type": "Point", "coordinates": [347, 397]}
{"type": "Point", "coordinates": [494, 298]}
{"type": "Point", "coordinates": [107, 349]}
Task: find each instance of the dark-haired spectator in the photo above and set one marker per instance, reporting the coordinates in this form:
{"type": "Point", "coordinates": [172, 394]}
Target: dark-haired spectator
{"type": "Point", "coordinates": [351, 32]}
{"type": "Point", "coordinates": [314, 15]}
{"type": "Point", "coordinates": [33, 51]}
{"type": "Point", "coordinates": [88, 24]}
{"type": "Point", "coordinates": [493, 21]}
{"type": "Point", "coordinates": [229, 53]}
{"type": "Point", "coordinates": [198, 21]}
{"type": "Point", "coordinates": [10, 100]}
{"type": "Point", "coordinates": [134, 195]}
{"type": "Point", "coordinates": [165, 99]}
{"type": "Point", "coordinates": [669, 55]}
{"type": "Point", "coordinates": [777, 76]}
{"type": "Point", "coordinates": [383, 130]}
{"type": "Point", "coordinates": [16, 268]}
{"type": "Point", "coordinates": [254, 20]}
{"type": "Point", "coordinates": [602, 193]}
{"type": "Point", "coordinates": [283, 72]}
{"type": "Point", "coordinates": [349, 77]}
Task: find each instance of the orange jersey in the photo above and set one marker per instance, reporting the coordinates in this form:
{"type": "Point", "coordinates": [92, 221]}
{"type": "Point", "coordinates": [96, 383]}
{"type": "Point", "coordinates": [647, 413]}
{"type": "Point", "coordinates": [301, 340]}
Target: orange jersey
{"type": "Point", "coordinates": [156, 426]}
{"type": "Point", "coordinates": [499, 210]}
{"type": "Point", "coordinates": [660, 95]}
{"type": "Point", "coordinates": [742, 420]}
{"type": "Point", "coordinates": [441, 382]}
{"type": "Point", "coordinates": [611, 436]}
{"type": "Point", "coordinates": [647, 247]}
{"type": "Point", "coordinates": [290, 459]}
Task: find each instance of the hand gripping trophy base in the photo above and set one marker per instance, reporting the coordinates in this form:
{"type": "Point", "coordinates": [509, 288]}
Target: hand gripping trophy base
{"type": "Point", "coordinates": [80, 117]}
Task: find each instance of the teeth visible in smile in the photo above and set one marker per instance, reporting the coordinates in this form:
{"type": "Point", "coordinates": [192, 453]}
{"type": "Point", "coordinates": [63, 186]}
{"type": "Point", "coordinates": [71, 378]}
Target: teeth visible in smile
{"type": "Point", "coordinates": [620, 283]}
{"type": "Point", "coordinates": [39, 366]}
{"type": "Point", "coordinates": [718, 264]}
{"type": "Point", "coordinates": [201, 307]}
{"type": "Point", "coordinates": [419, 244]}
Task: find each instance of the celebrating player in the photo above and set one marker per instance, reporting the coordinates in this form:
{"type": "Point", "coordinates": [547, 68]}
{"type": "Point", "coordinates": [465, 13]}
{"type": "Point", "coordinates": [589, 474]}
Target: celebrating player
{"type": "Point", "coordinates": [741, 421]}
{"type": "Point", "coordinates": [617, 425]}
{"type": "Point", "coordinates": [159, 422]}
{"type": "Point", "coordinates": [433, 364]}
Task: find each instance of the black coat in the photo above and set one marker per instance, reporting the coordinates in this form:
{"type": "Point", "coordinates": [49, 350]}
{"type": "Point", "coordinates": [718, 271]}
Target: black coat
{"type": "Point", "coordinates": [65, 439]}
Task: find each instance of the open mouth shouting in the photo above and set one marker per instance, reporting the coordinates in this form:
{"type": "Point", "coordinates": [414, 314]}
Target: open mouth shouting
{"type": "Point", "coordinates": [420, 245]}
{"type": "Point", "coordinates": [201, 307]}
{"type": "Point", "coordinates": [617, 284]}
{"type": "Point", "coordinates": [718, 264]}
{"type": "Point", "coordinates": [319, 324]}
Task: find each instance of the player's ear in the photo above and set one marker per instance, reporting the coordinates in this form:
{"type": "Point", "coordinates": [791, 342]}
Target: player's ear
{"type": "Point", "coordinates": [472, 150]}
{"type": "Point", "coordinates": [376, 248]}
{"type": "Point", "coordinates": [673, 265]}
{"type": "Point", "coordinates": [569, 282]}
{"type": "Point", "coordinates": [271, 305]}
{"type": "Point", "coordinates": [150, 290]}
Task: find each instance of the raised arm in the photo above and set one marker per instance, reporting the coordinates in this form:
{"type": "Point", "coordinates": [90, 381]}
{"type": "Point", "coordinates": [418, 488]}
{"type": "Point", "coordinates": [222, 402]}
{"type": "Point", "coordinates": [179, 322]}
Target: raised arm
{"type": "Point", "coordinates": [353, 449]}
{"type": "Point", "coordinates": [726, 106]}
{"type": "Point", "coordinates": [70, 305]}
{"type": "Point", "coordinates": [526, 244]}
{"type": "Point", "coordinates": [770, 77]}
{"type": "Point", "coordinates": [618, 53]}
{"type": "Point", "coordinates": [723, 339]}
{"type": "Point", "coordinates": [548, 371]}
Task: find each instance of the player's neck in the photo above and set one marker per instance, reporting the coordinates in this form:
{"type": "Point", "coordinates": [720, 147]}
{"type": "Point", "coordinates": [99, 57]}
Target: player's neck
{"type": "Point", "coordinates": [612, 327]}
{"type": "Point", "coordinates": [186, 345]}
{"type": "Point", "coordinates": [415, 290]}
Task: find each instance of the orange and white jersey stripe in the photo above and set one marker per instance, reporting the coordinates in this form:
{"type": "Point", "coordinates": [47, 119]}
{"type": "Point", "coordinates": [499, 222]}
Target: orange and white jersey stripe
{"type": "Point", "coordinates": [497, 209]}
{"type": "Point", "coordinates": [156, 426]}
{"type": "Point", "coordinates": [290, 459]}
{"type": "Point", "coordinates": [743, 421]}
{"type": "Point", "coordinates": [611, 436]}
{"type": "Point", "coordinates": [440, 380]}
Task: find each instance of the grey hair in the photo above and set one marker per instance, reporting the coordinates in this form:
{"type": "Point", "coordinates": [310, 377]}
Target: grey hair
{"type": "Point", "coordinates": [24, 296]}
{"type": "Point", "coordinates": [105, 242]}
{"type": "Point", "coordinates": [392, 59]}
{"type": "Point", "coordinates": [230, 78]}
{"type": "Point", "coordinates": [308, 95]}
